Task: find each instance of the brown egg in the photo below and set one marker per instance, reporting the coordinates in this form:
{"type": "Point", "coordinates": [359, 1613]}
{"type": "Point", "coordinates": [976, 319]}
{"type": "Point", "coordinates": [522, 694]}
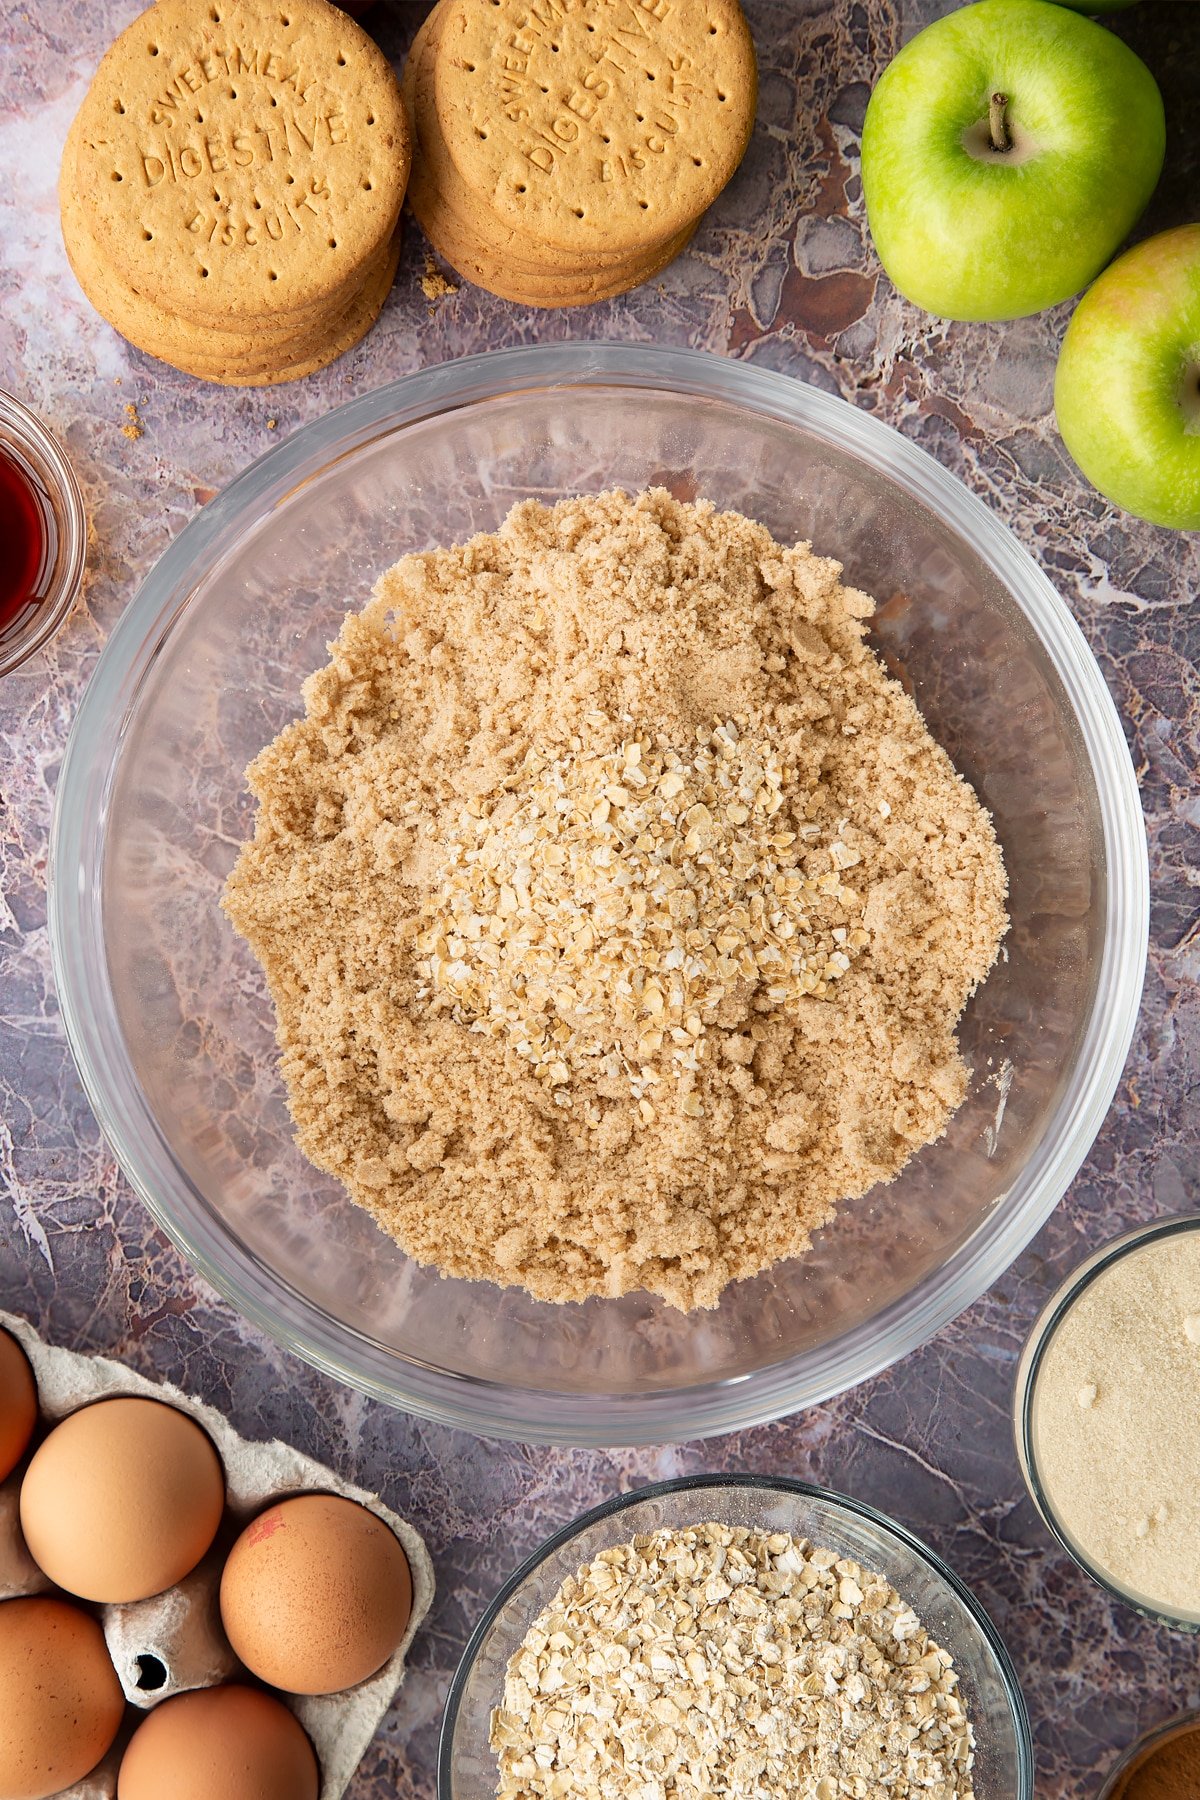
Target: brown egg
{"type": "Point", "coordinates": [122, 1500]}
{"type": "Point", "coordinates": [316, 1594]}
{"type": "Point", "coordinates": [18, 1403]}
{"type": "Point", "coordinates": [61, 1701]}
{"type": "Point", "coordinates": [223, 1743]}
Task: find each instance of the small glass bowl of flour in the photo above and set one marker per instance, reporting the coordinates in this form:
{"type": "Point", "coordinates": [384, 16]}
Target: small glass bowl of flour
{"type": "Point", "coordinates": [1108, 1418]}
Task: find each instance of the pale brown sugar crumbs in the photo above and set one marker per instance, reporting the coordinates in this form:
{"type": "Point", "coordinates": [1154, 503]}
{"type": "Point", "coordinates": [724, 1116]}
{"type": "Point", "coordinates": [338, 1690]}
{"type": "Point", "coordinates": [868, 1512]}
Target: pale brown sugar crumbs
{"type": "Point", "coordinates": [617, 906]}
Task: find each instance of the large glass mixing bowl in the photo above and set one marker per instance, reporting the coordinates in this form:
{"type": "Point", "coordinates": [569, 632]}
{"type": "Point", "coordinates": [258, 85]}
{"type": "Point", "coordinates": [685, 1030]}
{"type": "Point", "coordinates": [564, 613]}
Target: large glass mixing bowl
{"type": "Point", "coordinates": [168, 1016]}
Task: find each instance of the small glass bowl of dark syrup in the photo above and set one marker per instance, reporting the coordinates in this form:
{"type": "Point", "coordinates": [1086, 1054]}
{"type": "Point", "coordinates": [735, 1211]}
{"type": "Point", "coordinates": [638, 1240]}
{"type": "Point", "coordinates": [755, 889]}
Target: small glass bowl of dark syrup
{"type": "Point", "coordinates": [43, 534]}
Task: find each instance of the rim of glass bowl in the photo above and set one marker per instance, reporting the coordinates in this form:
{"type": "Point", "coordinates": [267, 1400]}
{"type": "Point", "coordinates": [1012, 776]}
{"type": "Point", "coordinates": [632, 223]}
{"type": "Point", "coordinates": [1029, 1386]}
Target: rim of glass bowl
{"type": "Point", "coordinates": [763, 1483]}
{"type": "Point", "coordinates": [1142, 1746]}
{"type": "Point", "coordinates": [1029, 1368]}
{"type": "Point", "coordinates": [352, 1357]}
{"type": "Point", "coordinates": [51, 464]}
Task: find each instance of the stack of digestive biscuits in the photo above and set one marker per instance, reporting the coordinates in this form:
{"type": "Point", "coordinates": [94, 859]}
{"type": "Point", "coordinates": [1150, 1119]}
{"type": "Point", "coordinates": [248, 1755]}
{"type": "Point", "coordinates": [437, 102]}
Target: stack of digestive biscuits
{"type": "Point", "coordinates": [231, 186]}
{"type": "Point", "coordinates": [564, 151]}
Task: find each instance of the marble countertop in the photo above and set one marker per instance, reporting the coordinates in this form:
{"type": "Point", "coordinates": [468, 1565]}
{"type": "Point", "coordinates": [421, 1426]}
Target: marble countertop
{"type": "Point", "coordinates": [780, 274]}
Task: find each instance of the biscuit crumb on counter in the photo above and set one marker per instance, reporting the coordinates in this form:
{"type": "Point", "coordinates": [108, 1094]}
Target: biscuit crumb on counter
{"type": "Point", "coordinates": [133, 427]}
{"type": "Point", "coordinates": [617, 906]}
{"type": "Point", "coordinates": [434, 284]}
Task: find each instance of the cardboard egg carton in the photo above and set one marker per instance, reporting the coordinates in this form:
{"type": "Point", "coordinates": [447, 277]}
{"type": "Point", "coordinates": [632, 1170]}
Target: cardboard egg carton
{"type": "Point", "coordinates": [174, 1642]}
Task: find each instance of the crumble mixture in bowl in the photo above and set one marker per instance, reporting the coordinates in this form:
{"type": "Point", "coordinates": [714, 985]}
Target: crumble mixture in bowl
{"type": "Point", "coordinates": [617, 906]}
{"type": "Point", "coordinates": [168, 1011]}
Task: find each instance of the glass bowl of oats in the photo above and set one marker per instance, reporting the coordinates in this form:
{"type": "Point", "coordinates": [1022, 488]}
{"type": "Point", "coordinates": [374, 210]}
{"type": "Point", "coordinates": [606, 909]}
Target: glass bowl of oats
{"type": "Point", "coordinates": [738, 1635]}
{"type": "Point", "coordinates": [173, 1028]}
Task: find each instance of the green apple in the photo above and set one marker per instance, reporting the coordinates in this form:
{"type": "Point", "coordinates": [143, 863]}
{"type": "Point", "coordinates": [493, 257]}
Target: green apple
{"type": "Point", "coordinates": [1127, 391]}
{"type": "Point", "coordinates": [1097, 6]}
{"type": "Point", "coordinates": [1007, 151]}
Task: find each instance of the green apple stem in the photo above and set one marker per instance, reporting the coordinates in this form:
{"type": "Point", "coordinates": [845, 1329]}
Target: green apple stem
{"type": "Point", "coordinates": [998, 123]}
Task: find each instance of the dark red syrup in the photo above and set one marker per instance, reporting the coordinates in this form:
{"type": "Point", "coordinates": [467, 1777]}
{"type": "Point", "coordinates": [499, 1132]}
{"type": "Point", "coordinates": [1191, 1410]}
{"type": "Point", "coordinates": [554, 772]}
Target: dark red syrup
{"type": "Point", "coordinates": [23, 547]}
